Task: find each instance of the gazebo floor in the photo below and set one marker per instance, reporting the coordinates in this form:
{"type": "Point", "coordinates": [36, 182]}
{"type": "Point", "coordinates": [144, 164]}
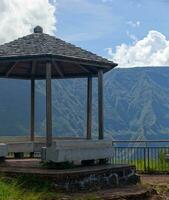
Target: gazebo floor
{"type": "Point", "coordinates": [75, 179]}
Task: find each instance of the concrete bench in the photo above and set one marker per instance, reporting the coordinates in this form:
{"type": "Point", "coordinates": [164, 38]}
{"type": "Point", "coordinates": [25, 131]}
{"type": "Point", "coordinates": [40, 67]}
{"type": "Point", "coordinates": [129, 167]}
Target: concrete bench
{"type": "Point", "coordinates": [73, 150]}
{"type": "Point", "coordinates": [3, 151]}
{"type": "Point", "coordinates": [25, 147]}
{"type": "Point", "coordinates": [20, 148]}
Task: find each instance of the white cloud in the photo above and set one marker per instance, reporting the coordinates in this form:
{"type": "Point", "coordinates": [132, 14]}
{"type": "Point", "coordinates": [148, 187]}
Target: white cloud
{"type": "Point", "coordinates": [19, 17]}
{"type": "Point", "coordinates": [152, 50]}
{"type": "Point", "coordinates": [134, 24]}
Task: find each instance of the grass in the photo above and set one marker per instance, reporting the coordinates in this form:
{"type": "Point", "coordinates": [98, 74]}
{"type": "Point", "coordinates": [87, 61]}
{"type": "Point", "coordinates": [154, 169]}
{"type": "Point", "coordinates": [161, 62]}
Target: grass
{"type": "Point", "coordinates": [156, 165]}
{"type": "Point", "coordinates": [31, 188]}
{"type": "Point", "coordinates": [159, 164]}
{"type": "Point", "coordinates": [27, 188]}
{"type": "Point", "coordinates": [153, 166]}
{"type": "Point", "coordinates": [13, 191]}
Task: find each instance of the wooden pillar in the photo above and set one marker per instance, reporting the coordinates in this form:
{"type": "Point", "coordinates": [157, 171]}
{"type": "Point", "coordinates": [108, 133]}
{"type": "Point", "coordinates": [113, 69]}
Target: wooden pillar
{"type": "Point", "coordinates": [48, 105]}
{"type": "Point", "coordinates": [100, 105]}
{"type": "Point", "coordinates": [89, 107]}
{"type": "Point", "coordinates": [32, 116]}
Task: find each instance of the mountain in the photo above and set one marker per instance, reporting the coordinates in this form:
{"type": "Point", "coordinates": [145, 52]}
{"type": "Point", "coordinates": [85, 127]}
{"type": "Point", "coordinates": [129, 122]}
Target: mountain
{"type": "Point", "coordinates": [136, 105]}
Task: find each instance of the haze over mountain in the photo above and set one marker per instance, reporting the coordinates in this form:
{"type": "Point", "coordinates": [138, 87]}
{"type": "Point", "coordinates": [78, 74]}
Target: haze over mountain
{"type": "Point", "coordinates": [136, 105]}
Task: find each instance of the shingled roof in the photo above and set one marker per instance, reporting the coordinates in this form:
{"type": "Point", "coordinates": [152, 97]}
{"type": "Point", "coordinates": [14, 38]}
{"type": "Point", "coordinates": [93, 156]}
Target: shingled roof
{"type": "Point", "coordinates": [41, 47]}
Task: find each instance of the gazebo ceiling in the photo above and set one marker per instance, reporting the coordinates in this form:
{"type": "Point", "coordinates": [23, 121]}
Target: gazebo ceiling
{"type": "Point", "coordinates": [26, 57]}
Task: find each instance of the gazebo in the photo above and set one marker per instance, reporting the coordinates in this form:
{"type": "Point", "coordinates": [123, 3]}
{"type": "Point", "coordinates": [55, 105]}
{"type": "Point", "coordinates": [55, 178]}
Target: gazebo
{"type": "Point", "coordinates": [39, 56]}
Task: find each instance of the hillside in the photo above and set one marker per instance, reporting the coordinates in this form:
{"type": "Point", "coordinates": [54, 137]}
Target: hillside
{"type": "Point", "coordinates": [136, 105]}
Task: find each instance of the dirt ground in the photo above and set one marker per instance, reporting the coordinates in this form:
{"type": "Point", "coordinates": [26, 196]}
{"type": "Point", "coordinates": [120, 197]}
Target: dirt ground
{"type": "Point", "coordinates": [160, 183]}
{"type": "Point", "coordinates": [155, 179]}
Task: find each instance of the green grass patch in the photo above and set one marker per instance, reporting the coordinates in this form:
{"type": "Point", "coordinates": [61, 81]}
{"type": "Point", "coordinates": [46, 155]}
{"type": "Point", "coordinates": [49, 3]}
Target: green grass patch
{"type": "Point", "coordinates": [27, 188]}
{"type": "Point", "coordinates": [11, 190]}
{"type": "Point", "coordinates": [32, 188]}
{"type": "Point", "coordinates": [152, 165]}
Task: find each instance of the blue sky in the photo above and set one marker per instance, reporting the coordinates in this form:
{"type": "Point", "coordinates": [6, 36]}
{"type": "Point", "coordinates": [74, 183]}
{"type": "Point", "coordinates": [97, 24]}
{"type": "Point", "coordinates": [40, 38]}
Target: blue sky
{"type": "Point", "coordinates": [129, 32]}
{"type": "Point", "coordinates": [99, 24]}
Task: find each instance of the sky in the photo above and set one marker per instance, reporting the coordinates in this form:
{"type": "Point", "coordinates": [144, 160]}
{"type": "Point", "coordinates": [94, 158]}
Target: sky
{"type": "Point", "coordinates": [130, 32]}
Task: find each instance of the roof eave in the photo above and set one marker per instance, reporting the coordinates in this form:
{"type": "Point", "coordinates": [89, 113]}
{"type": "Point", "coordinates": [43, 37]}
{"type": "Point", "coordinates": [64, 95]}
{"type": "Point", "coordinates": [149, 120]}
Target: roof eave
{"type": "Point", "coordinates": [48, 57]}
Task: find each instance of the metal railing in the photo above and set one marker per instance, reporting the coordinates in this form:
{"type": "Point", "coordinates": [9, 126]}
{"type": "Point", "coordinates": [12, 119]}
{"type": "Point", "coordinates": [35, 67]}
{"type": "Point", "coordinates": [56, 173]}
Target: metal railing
{"type": "Point", "coordinates": [148, 156]}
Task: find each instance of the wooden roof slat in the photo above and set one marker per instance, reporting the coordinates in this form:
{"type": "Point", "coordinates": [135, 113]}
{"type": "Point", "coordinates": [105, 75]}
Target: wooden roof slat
{"type": "Point", "coordinates": [84, 68]}
{"type": "Point", "coordinates": [57, 68]}
{"type": "Point", "coordinates": [11, 69]}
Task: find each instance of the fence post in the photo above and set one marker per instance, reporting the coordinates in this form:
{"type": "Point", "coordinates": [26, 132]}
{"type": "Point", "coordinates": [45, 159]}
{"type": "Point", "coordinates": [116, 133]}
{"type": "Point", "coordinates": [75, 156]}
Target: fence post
{"type": "Point", "coordinates": [144, 158]}
{"type": "Point", "coordinates": [152, 157]}
{"type": "Point", "coordinates": [148, 159]}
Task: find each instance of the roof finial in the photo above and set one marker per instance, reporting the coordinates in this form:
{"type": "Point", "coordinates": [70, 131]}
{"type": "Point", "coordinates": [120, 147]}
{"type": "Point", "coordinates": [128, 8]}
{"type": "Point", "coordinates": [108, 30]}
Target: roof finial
{"type": "Point", "coordinates": [38, 29]}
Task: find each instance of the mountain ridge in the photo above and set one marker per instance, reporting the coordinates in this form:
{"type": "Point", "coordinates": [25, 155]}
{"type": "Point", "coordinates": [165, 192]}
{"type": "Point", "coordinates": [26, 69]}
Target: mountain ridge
{"type": "Point", "coordinates": [136, 105]}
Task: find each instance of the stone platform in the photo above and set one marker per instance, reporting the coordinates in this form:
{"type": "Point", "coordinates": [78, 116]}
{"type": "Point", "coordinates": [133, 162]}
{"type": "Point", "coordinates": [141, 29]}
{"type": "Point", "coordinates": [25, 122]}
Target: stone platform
{"type": "Point", "coordinates": [75, 179]}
